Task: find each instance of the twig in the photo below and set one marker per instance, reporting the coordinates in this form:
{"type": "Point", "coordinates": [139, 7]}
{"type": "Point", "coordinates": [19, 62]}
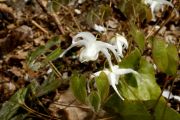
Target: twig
{"type": "Point", "coordinates": [74, 19]}
{"type": "Point", "coordinates": [39, 26]}
{"type": "Point", "coordinates": [163, 24]}
{"type": "Point", "coordinates": [53, 15]}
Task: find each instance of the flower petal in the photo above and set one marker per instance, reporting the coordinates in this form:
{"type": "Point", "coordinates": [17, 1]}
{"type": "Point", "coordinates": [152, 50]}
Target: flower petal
{"type": "Point", "coordinates": [124, 71]}
{"type": "Point", "coordinates": [99, 28]}
{"type": "Point", "coordinates": [111, 48]}
{"type": "Point", "coordinates": [87, 36]}
{"type": "Point", "coordinates": [90, 52]}
{"type": "Point", "coordinates": [72, 45]}
{"type": "Point", "coordinates": [121, 39]}
{"type": "Point", "coordinates": [113, 81]}
{"type": "Point", "coordinates": [108, 56]}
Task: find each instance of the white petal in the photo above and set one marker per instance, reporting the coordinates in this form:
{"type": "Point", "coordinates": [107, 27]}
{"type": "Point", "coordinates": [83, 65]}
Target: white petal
{"type": "Point", "coordinates": [79, 43]}
{"type": "Point", "coordinates": [167, 94]}
{"type": "Point", "coordinates": [111, 48]}
{"type": "Point", "coordinates": [108, 56]}
{"type": "Point", "coordinates": [121, 71]}
{"type": "Point", "coordinates": [113, 80]}
{"type": "Point", "coordinates": [177, 98]}
{"type": "Point", "coordinates": [99, 28]}
{"type": "Point", "coordinates": [87, 36]}
{"type": "Point", "coordinates": [89, 53]}
{"type": "Point", "coordinates": [121, 39]}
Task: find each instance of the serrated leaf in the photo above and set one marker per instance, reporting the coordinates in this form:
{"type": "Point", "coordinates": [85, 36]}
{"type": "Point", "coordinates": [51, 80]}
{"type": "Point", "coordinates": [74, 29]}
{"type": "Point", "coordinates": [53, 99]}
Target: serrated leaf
{"type": "Point", "coordinates": [159, 52]}
{"type": "Point", "coordinates": [78, 87]}
{"type": "Point", "coordinates": [9, 108]}
{"type": "Point", "coordinates": [139, 37]}
{"type": "Point", "coordinates": [102, 86]}
{"type": "Point", "coordinates": [95, 100]}
{"type": "Point", "coordinates": [132, 60]}
{"type": "Point", "coordinates": [172, 60]}
{"type": "Point", "coordinates": [48, 85]}
{"type": "Point", "coordinates": [54, 54]}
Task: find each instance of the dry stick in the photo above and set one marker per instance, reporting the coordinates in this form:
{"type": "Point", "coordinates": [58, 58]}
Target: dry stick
{"type": "Point", "coordinates": [53, 15]}
{"type": "Point", "coordinates": [163, 24]}
{"type": "Point", "coordinates": [58, 74]}
{"type": "Point", "coordinates": [39, 26]}
{"type": "Point", "coordinates": [74, 19]}
{"type": "Point", "coordinates": [36, 112]}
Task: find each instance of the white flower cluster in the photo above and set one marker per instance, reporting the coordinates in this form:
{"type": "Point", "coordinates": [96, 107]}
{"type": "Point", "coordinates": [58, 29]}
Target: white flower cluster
{"type": "Point", "coordinates": [91, 49]}
{"type": "Point", "coordinates": [156, 5]}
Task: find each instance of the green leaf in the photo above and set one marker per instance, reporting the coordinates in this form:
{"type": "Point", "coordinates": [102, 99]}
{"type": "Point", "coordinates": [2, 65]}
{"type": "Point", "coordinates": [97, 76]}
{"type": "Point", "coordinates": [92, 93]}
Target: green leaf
{"type": "Point", "coordinates": [172, 60]}
{"type": "Point", "coordinates": [102, 86]}
{"type": "Point", "coordinates": [52, 42]}
{"type": "Point", "coordinates": [48, 85]}
{"type": "Point", "coordinates": [9, 108]}
{"type": "Point", "coordinates": [54, 54]}
{"type": "Point", "coordinates": [132, 9]}
{"type": "Point", "coordinates": [33, 55]}
{"type": "Point", "coordinates": [78, 86]}
{"type": "Point", "coordinates": [95, 100]}
{"type": "Point", "coordinates": [146, 87]}
{"type": "Point", "coordinates": [20, 117]}
{"type": "Point", "coordinates": [161, 111]}
{"type": "Point", "coordinates": [141, 110]}
{"type": "Point", "coordinates": [132, 60]}
{"type": "Point", "coordinates": [127, 110]}
{"type": "Point", "coordinates": [39, 51]}
{"type": "Point", "coordinates": [139, 37]}
{"type": "Point", "coordinates": [159, 52]}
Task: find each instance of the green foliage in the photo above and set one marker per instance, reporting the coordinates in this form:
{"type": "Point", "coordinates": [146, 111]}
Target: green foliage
{"type": "Point", "coordinates": [95, 100]}
{"type": "Point", "coordinates": [31, 60]}
{"type": "Point", "coordinates": [132, 60]}
{"type": "Point", "coordinates": [172, 60]}
{"type": "Point", "coordinates": [98, 14]}
{"type": "Point", "coordinates": [140, 87]}
{"type": "Point", "coordinates": [139, 37]}
{"type": "Point", "coordinates": [141, 110]}
{"type": "Point", "coordinates": [159, 53]}
{"type": "Point", "coordinates": [165, 56]}
{"type": "Point", "coordinates": [9, 108]}
{"type": "Point", "coordinates": [102, 86]}
{"type": "Point", "coordinates": [54, 54]}
{"type": "Point", "coordinates": [48, 85]}
{"type": "Point", "coordinates": [133, 9]}
{"type": "Point", "coordinates": [78, 86]}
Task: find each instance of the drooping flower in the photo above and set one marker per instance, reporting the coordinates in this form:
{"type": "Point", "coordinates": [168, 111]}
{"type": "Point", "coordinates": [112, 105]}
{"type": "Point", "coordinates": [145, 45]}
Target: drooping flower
{"type": "Point", "coordinates": [92, 47]}
{"type": "Point", "coordinates": [120, 43]}
{"type": "Point", "coordinates": [156, 5]}
{"type": "Point", "coordinates": [113, 76]}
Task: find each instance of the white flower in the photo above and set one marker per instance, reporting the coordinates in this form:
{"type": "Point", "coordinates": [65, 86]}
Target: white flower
{"type": "Point", "coordinates": [156, 5]}
{"type": "Point", "coordinates": [113, 76]}
{"type": "Point", "coordinates": [120, 43]}
{"type": "Point", "coordinates": [99, 28]}
{"type": "Point", "coordinates": [91, 48]}
{"type": "Point", "coordinates": [168, 95]}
